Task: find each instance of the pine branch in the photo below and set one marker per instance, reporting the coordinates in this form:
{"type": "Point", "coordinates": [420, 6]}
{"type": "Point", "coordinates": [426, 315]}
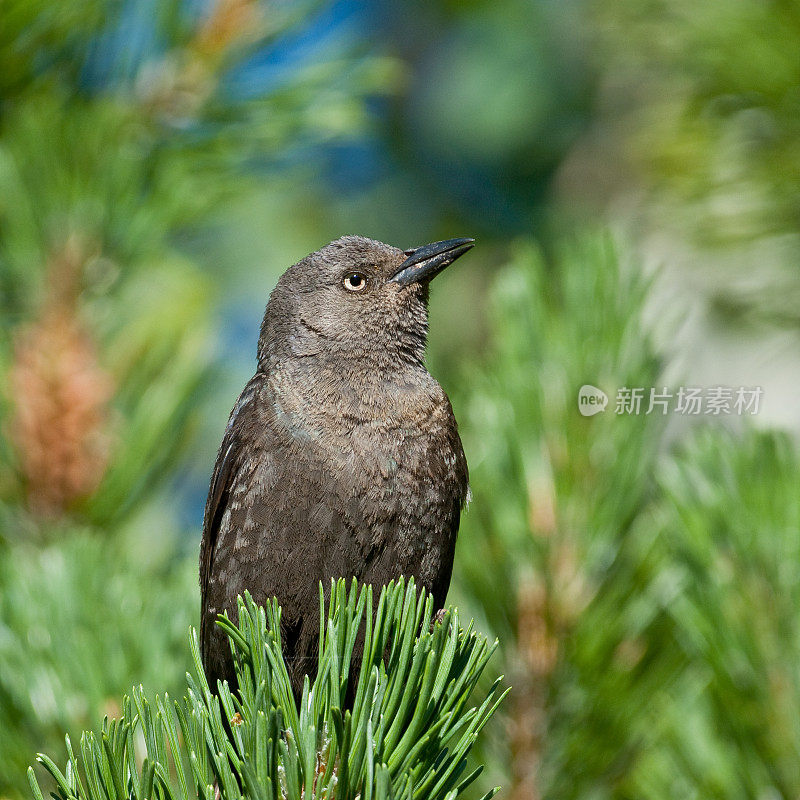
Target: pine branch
{"type": "Point", "coordinates": [407, 735]}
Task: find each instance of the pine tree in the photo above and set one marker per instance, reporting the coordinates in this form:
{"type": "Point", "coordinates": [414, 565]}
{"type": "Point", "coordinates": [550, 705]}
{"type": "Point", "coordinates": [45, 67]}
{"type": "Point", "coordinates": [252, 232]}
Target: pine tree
{"type": "Point", "coordinates": [407, 734]}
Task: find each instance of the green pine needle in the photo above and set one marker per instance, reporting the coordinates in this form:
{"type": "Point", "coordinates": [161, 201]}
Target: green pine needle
{"type": "Point", "coordinates": [407, 735]}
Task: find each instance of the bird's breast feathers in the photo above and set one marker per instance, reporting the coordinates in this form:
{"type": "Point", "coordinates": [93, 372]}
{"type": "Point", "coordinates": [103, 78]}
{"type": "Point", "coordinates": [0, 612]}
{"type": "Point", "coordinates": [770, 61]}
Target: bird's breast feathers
{"type": "Point", "coordinates": [398, 437]}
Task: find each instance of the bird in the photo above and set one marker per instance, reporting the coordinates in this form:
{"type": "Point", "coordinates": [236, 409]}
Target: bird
{"type": "Point", "coordinates": [341, 457]}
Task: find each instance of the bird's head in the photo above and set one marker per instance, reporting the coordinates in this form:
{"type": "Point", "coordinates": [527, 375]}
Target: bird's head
{"type": "Point", "coordinates": [355, 299]}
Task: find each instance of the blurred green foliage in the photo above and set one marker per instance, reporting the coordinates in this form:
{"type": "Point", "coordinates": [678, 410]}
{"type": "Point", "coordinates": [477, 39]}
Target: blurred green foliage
{"type": "Point", "coordinates": [714, 96]}
{"type": "Point", "coordinates": [697, 127]}
{"type": "Point", "coordinates": [649, 592]}
{"type": "Point", "coordinates": [79, 618]}
{"type": "Point", "coordinates": [572, 489]}
{"type": "Point", "coordinates": [641, 576]}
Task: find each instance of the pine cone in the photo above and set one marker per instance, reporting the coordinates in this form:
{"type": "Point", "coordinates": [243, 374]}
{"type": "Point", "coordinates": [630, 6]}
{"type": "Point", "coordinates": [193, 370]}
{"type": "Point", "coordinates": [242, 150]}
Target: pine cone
{"type": "Point", "coordinates": [59, 394]}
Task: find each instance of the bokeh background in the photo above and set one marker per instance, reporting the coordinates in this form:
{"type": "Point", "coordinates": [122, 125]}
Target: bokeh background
{"type": "Point", "coordinates": [631, 169]}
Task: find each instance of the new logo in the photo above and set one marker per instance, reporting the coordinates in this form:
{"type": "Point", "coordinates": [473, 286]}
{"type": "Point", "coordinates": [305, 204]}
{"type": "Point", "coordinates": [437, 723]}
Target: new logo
{"type": "Point", "coordinates": [591, 400]}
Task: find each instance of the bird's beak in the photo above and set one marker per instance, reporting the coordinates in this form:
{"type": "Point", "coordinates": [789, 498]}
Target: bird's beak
{"type": "Point", "coordinates": [426, 262]}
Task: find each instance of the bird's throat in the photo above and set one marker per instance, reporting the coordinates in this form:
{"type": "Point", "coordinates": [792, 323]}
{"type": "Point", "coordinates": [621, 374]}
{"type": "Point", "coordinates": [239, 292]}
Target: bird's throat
{"type": "Point", "coordinates": [328, 399]}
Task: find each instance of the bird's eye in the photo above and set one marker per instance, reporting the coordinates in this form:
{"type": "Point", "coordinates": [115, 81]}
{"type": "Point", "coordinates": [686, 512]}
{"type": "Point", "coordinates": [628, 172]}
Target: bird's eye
{"type": "Point", "coordinates": [355, 281]}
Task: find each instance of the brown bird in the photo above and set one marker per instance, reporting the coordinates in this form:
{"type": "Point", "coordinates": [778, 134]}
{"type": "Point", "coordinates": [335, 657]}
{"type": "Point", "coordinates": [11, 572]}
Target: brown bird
{"type": "Point", "coordinates": [341, 457]}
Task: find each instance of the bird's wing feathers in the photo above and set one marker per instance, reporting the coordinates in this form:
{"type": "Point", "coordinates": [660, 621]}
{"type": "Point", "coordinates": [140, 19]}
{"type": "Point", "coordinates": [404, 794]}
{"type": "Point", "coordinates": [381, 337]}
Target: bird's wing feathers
{"type": "Point", "coordinates": [215, 505]}
{"type": "Point", "coordinates": [274, 524]}
{"type": "Point", "coordinates": [221, 479]}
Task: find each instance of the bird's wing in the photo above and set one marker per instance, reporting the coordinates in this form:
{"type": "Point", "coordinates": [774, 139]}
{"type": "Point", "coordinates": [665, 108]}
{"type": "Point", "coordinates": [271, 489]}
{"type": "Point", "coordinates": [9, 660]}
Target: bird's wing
{"type": "Point", "coordinates": [219, 491]}
{"type": "Point", "coordinates": [278, 521]}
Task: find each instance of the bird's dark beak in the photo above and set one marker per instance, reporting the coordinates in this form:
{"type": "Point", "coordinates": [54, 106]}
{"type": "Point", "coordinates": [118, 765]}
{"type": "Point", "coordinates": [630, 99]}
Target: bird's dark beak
{"type": "Point", "coordinates": [426, 262]}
